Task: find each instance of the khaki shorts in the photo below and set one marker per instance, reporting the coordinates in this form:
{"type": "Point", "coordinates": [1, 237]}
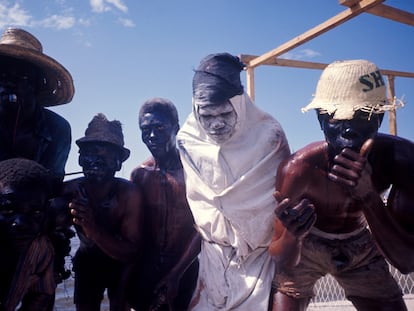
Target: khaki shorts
{"type": "Point", "coordinates": [354, 262]}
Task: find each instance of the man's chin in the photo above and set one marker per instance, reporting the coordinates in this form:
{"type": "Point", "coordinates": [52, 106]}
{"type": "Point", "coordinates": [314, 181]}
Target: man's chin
{"type": "Point", "coordinates": [220, 138]}
{"type": "Point", "coordinates": [95, 177]}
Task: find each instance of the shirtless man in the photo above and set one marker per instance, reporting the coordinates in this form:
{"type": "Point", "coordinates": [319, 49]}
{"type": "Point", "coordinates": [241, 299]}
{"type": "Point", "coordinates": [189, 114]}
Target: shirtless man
{"type": "Point", "coordinates": [26, 261]}
{"type": "Point", "coordinates": [168, 275]}
{"type": "Point", "coordinates": [330, 192]}
{"type": "Point", "coordinates": [107, 215]}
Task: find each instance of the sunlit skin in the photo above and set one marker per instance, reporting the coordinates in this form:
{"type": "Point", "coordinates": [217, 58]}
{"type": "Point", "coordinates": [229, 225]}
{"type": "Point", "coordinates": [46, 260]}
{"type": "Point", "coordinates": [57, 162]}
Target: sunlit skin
{"type": "Point", "coordinates": [22, 214]}
{"type": "Point", "coordinates": [218, 120]}
{"type": "Point", "coordinates": [336, 186]}
{"type": "Point", "coordinates": [172, 241]}
{"type": "Point", "coordinates": [158, 133]}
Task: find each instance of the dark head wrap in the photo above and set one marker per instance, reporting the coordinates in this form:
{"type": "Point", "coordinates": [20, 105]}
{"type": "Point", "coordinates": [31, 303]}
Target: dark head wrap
{"type": "Point", "coordinates": [217, 78]}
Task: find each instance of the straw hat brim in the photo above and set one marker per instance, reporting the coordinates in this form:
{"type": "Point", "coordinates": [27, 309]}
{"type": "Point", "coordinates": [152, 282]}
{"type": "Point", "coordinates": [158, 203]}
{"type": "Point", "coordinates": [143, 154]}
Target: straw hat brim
{"type": "Point", "coordinates": [59, 89]}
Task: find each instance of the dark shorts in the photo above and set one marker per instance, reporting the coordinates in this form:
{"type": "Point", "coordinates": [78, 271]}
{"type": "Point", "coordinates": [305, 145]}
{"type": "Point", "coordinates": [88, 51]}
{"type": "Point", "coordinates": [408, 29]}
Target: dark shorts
{"type": "Point", "coordinates": [95, 272]}
{"type": "Point", "coordinates": [354, 262]}
{"type": "Point", "coordinates": [143, 281]}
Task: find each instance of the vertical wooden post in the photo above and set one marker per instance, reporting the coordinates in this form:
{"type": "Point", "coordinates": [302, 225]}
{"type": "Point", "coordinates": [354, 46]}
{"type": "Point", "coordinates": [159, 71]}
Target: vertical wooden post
{"type": "Point", "coordinates": [392, 114]}
{"type": "Point", "coordinates": [250, 82]}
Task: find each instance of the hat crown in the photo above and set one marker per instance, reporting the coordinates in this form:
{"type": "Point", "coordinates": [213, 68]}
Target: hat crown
{"type": "Point", "coordinates": [100, 129]}
{"type": "Point", "coordinates": [21, 38]}
{"type": "Point", "coordinates": [348, 86]}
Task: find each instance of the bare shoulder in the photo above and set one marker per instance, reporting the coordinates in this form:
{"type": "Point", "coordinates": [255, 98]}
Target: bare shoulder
{"type": "Point", "coordinates": [392, 151]}
{"type": "Point", "coordinates": [124, 185]}
{"type": "Point", "coordinates": [313, 153]}
{"type": "Point", "coordinates": [142, 169]}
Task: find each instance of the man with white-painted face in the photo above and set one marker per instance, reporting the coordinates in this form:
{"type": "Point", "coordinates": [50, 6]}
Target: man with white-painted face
{"type": "Point", "coordinates": [230, 151]}
{"type": "Point", "coordinates": [331, 217]}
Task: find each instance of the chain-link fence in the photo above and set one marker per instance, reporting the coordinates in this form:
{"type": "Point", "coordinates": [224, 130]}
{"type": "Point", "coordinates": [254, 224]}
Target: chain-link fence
{"type": "Point", "coordinates": [327, 289]}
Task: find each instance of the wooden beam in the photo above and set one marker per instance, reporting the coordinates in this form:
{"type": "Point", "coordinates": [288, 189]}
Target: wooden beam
{"type": "Point", "coordinates": [245, 58]}
{"type": "Point", "coordinates": [250, 83]}
{"type": "Point", "coordinates": [338, 19]}
{"type": "Point", "coordinates": [386, 11]}
{"type": "Point", "coordinates": [392, 114]}
{"type": "Point", "coordinates": [312, 65]}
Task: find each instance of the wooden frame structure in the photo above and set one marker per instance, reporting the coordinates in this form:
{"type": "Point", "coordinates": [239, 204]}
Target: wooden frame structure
{"type": "Point", "coordinates": [355, 8]}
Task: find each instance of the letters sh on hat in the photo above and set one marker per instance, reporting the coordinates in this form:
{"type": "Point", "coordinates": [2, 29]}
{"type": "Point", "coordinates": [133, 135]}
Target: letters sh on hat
{"type": "Point", "coordinates": [350, 85]}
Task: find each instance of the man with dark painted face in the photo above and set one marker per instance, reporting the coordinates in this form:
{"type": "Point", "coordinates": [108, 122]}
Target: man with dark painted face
{"type": "Point", "coordinates": [107, 214]}
{"type": "Point", "coordinates": [26, 261]}
{"type": "Point", "coordinates": [331, 216]}
{"type": "Point", "coordinates": [30, 81]}
{"type": "Point", "coordinates": [167, 276]}
{"type": "Point", "coordinates": [230, 150]}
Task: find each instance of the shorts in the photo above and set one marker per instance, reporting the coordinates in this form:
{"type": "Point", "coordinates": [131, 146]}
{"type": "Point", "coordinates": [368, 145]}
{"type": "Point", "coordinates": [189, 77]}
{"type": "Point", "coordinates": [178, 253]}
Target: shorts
{"type": "Point", "coordinates": [354, 262]}
{"type": "Point", "coordinates": [95, 272]}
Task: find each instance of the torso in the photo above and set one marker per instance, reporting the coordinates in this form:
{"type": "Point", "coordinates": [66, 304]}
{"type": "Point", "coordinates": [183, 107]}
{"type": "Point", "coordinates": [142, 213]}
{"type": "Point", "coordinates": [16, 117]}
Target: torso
{"type": "Point", "coordinates": [391, 163]}
{"type": "Point", "coordinates": [106, 209]}
{"type": "Point", "coordinates": [169, 222]}
{"type": "Point", "coordinates": [336, 211]}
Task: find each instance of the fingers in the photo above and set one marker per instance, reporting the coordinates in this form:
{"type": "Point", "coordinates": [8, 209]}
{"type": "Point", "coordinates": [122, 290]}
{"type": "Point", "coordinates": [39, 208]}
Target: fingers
{"type": "Point", "coordinates": [297, 219]}
{"type": "Point", "coordinates": [349, 165]}
{"type": "Point", "coordinates": [366, 147]}
{"type": "Point", "coordinates": [277, 195]}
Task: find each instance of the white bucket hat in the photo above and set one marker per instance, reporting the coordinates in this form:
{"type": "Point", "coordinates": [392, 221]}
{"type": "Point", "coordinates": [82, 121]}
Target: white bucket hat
{"type": "Point", "coordinates": [348, 86]}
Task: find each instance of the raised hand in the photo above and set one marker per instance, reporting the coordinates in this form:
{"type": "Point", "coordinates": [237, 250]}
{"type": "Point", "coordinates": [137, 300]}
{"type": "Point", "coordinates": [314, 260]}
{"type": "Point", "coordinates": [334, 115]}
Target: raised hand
{"type": "Point", "coordinates": [352, 170]}
{"type": "Point", "coordinates": [297, 218]}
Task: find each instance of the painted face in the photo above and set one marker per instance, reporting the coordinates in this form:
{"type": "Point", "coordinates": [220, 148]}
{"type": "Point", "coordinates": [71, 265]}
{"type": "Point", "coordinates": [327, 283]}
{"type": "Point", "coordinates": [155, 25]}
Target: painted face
{"type": "Point", "coordinates": [17, 87]}
{"type": "Point", "coordinates": [158, 133]}
{"type": "Point", "coordinates": [22, 214]}
{"type": "Point", "coordinates": [99, 161]}
{"type": "Point", "coordinates": [352, 133]}
{"type": "Point", "coordinates": [218, 120]}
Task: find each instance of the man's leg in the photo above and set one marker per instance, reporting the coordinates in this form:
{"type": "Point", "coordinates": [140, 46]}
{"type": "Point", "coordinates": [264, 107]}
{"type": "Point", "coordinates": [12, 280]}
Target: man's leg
{"type": "Point", "coordinates": [366, 304]}
{"type": "Point", "coordinates": [282, 302]}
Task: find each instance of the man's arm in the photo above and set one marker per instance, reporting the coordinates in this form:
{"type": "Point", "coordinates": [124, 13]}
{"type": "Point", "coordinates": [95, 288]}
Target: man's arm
{"type": "Point", "coordinates": [353, 171]}
{"type": "Point", "coordinates": [294, 217]}
{"type": "Point", "coordinates": [167, 288]}
{"type": "Point", "coordinates": [125, 245]}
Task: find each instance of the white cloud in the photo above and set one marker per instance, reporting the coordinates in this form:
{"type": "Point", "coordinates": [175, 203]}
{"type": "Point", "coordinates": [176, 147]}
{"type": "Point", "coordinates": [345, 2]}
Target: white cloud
{"type": "Point", "coordinates": [100, 6]}
{"type": "Point", "coordinates": [13, 15]}
{"type": "Point", "coordinates": [301, 54]}
{"type": "Point", "coordinates": [119, 5]}
{"type": "Point", "coordinates": [127, 22]}
{"type": "Point", "coordinates": [57, 22]}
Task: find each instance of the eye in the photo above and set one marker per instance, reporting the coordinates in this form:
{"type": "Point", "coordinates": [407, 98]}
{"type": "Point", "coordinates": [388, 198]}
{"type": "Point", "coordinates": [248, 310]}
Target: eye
{"type": "Point", "coordinates": [7, 211]}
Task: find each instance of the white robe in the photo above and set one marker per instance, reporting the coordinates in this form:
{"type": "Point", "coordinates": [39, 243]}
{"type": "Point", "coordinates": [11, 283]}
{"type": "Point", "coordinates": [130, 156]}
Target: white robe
{"type": "Point", "coordinates": [230, 192]}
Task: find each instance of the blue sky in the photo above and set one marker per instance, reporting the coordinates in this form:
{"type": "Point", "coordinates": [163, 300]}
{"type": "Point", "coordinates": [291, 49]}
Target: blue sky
{"type": "Point", "coordinates": [123, 52]}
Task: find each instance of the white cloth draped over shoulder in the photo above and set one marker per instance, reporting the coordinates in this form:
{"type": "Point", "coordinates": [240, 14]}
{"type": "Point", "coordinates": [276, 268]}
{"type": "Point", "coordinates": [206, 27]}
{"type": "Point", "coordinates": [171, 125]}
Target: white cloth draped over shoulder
{"type": "Point", "coordinates": [230, 192]}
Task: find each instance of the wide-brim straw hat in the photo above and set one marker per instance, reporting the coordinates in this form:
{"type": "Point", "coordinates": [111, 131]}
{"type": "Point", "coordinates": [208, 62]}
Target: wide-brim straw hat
{"type": "Point", "coordinates": [101, 130]}
{"type": "Point", "coordinates": [21, 45]}
{"type": "Point", "coordinates": [348, 86]}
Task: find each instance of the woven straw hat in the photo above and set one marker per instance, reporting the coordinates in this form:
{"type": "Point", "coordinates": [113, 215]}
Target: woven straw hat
{"type": "Point", "coordinates": [348, 86]}
{"type": "Point", "coordinates": [104, 131]}
{"type": "Point", "coordinates": [19, 44]}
